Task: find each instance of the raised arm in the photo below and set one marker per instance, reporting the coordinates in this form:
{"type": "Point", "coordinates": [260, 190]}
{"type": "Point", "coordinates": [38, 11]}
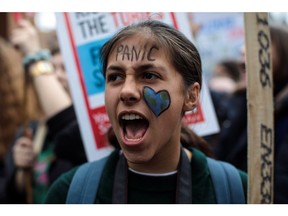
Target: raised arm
{"type": "Point", "coordinates": [52, 96]}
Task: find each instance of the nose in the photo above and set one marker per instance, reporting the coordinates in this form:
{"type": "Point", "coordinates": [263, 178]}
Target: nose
{"type": "Point", "coordinates": [58, 71]}
{"type": "Point", "coordinates": [130, 93]}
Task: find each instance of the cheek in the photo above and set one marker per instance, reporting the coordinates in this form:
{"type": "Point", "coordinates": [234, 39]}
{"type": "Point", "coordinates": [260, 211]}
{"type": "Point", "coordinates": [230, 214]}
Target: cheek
{"type": "Point", "coordinates": [178, 95]}
{"type": "Point", "coordinates": [107, 102]}
{"type": "Point", "coordinates": [110, 101]}
{"type": "Point", "coordinates": [174, 112]}
{"type": "Point", "coordinates": [176, 108]}
{"type": "Point", "coordinates": [65, 78]}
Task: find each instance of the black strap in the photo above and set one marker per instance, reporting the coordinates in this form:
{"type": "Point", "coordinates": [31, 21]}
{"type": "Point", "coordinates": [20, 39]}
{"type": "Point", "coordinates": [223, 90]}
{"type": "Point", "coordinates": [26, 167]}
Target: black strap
{"type": "Point", "coordinates": [184, 180]}
{"type": "Point", "coordinates": [120, 188]}
{"type": "Point", "coordinates": [183, 188]}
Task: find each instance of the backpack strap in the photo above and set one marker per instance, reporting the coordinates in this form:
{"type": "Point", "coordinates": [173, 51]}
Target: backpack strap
{"type": "Point", "coordinates": [84, 186]}
{"type": "Point", "coordinates": [227, 182]}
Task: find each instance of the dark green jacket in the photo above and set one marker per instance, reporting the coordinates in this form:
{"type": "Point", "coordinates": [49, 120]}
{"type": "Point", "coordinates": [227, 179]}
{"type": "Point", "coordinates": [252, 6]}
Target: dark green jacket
{"type": "Point", "coordinates": [146, 189]}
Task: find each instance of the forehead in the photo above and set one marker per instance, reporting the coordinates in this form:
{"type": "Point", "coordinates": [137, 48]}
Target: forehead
{"type": "Point", "coordinates": [138, 38]}
{"type": "Point", "coordinates": [138, 47]}
{"type": "Point", "coordinates": [56, 57]}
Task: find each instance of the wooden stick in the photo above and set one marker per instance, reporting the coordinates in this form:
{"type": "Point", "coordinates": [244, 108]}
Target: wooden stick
{"type": "Point", "coordinates": [260, 108]}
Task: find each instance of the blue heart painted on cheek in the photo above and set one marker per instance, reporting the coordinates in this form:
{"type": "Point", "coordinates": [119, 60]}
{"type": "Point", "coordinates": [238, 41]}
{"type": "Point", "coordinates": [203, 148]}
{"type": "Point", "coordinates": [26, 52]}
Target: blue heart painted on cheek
{"type": "Point", "coordinates": [158, 102]}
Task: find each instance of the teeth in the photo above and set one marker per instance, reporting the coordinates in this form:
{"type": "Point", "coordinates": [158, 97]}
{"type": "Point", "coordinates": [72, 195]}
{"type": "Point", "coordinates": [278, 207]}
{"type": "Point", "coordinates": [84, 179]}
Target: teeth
{"type": "Point", "coordinates": [134, 140]}
{"type": "Point", "coordinates": [131, 117]}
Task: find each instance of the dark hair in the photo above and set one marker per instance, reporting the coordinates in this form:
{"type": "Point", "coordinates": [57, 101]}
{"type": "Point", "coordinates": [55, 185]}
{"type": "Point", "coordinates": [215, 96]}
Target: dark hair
{"type": "Point", "coordinates": [55, 51]}
{"type": "Point", "coordinates": [11, 94]}
{"type": "Point", "coordinates": [279, 37]}
{"type": "Point", "coordinates": [181, 51]}
{"type": "Point", "coordinates": [18, 100]}
{"type": "Point", "coordinates": [190, 139]}
{"type": "Point", "coordinates": [53, 44]}
{"type": "Point", "coordinates": [232, 67]}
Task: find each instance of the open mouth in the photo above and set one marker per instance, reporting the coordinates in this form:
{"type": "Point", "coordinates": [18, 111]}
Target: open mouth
{"type": "Point", "coordinates": [134, 126]}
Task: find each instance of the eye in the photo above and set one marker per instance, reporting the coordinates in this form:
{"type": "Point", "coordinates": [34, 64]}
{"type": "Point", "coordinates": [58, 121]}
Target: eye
{"type": "Point", "coordinates": [150, 76]}
{"type": "Point", "coordinates": [114, 77]}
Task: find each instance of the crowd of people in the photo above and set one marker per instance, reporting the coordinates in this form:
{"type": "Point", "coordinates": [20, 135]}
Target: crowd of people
{"type": "Point", "coordinates": [231, 107]}
{"type": "Point", "coordinates": [156, 157]}
{"type": "Point", "coordinates": [47, 141]}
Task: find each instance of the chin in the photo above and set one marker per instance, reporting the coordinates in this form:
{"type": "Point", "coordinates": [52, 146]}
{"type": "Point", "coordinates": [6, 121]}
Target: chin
{"type": "Point", "coordinates": [136, 157]}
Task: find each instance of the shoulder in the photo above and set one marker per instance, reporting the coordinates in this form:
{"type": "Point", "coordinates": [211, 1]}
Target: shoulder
{"type": "Point", "coordinates": [59, 189]}
{"type": "Point", "coordinates": [244, 179]}
{"type": "Point", "coordinates": [203, 179]}
{"type": "Point", "coordinates": [202, 187]}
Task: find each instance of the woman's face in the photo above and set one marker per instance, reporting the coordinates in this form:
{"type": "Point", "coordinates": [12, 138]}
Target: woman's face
{"type": "Point", "coordinates": [275, 62]}
{"type": "Point", "coordinates": [58, 64]}
{"type": "Point", "coordinates": [144, 99]}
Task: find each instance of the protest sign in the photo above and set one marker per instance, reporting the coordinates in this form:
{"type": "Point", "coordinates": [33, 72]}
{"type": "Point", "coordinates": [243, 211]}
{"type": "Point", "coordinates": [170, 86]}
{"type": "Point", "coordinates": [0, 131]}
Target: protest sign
{"type": "Point", "coordinates": [81, 35]}
{"type": "Point", "coordinates": [219, 36]}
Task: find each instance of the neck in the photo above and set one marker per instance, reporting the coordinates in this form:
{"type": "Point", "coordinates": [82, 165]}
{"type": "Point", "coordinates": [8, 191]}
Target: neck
{"type": "Point", "coordinates": [153, 174]}
{"type": "Point", "coordinates": [159, 164]}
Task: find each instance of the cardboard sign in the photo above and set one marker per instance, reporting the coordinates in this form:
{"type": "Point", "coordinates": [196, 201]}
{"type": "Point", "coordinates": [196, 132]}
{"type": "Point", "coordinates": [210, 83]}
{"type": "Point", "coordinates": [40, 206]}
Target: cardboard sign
{"type": "Point", "coordinates": [81, 35]}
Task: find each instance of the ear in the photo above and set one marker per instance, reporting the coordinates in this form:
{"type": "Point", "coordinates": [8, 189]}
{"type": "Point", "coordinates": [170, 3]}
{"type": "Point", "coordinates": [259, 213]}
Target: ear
{"type": "Point", "coordinates": [192, 97]}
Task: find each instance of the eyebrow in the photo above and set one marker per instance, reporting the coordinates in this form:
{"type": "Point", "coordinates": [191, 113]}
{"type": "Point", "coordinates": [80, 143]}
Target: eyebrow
{"type": "Point", "coordinates": [114, 68]}
{"type": "Point", "coordinates": [137, 69]}
{"type": "Point", "coordinates": [144, 67]}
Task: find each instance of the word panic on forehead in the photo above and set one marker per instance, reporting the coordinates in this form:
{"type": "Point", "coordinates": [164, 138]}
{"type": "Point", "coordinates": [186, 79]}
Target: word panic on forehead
{"type": "Point", "coordinates": [135, 53]}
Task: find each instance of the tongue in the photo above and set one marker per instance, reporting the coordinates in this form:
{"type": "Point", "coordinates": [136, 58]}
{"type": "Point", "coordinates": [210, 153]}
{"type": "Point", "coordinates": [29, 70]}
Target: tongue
{"type": "Point", "coordinates": [135, 129]}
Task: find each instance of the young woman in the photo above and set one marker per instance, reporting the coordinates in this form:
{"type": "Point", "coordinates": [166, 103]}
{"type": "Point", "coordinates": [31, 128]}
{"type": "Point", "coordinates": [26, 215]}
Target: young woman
{"type": "Point", "coordinates": [153, 76]}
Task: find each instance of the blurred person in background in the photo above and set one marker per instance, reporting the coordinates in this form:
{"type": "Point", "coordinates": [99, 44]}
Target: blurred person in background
{"type": "Point", "coordinates": [58, 62]}
{"type": "Point", "coordinates": [230, 106]}
{"type": "Point", "coordinates": [279, 35]}
{"type": "Point", "coordinates": [40, 150]}
{"type": "Point", "coordinates": [225, 76]}
{"type": "Point", "coordinates": [14, 112]}
{"type": "Point", "coordinates": [232, 143]}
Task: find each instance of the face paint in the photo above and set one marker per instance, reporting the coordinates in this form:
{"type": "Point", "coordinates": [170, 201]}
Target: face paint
{"type": "Point", "coordinates": [158, 102]}
{"type": "Point", "coordinates": [134, 53]}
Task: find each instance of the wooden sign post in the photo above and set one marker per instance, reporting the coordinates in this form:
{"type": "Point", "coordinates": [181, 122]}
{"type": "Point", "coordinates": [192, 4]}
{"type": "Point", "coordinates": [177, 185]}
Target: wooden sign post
{"type": "Point", "coordinates": [260, 108]}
